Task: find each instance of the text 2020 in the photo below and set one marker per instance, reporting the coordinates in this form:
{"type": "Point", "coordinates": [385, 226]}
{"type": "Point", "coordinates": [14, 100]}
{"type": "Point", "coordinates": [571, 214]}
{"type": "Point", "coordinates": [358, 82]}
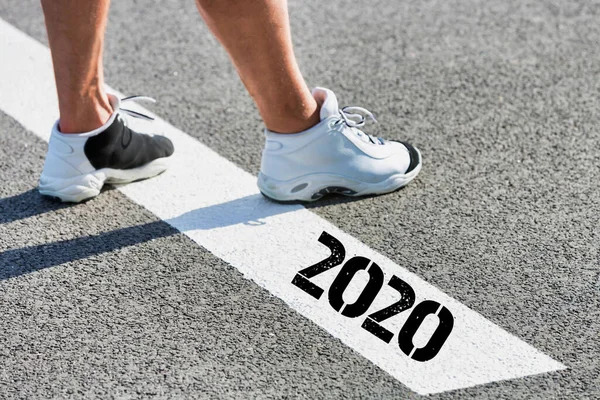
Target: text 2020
{"type": "Point", "coordinates": [367, 296]}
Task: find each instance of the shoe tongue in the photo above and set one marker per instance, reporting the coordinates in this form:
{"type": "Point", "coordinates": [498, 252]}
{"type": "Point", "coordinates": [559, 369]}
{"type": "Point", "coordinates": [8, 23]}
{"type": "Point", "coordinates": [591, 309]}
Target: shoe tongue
{"type": "Point", "coordinates": [326, 98]}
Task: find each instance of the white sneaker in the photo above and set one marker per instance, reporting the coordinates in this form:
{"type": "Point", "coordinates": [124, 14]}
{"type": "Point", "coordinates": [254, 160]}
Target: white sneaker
{"type": "Point", "coordinates": [78, 165]}
{"type": "Point", "coordinates": [334, 157]}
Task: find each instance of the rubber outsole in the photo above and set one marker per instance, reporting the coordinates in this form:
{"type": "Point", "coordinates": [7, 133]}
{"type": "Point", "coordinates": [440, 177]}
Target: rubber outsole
{"type": "Point", "coordinates": [86, 186]}
{"type": "Point", "coordinates": [313, 187]}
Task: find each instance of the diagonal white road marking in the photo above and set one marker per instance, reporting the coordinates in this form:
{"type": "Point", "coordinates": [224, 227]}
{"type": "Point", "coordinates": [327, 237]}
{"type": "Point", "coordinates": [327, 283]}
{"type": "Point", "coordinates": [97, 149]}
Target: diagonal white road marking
{"type": "Point", "coordinates": [218, 206]}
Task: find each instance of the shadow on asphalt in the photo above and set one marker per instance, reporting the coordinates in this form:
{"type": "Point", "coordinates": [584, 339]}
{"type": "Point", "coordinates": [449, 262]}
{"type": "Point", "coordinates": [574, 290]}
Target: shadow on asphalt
{"type": "Point", "coordinates": [16, 262]}
{"type": "Point", "coordinates": [32, 203]}
{"type": "Point", "coordinates": [27, 204]}
{"type": "Point", "coordinates": [21, 261]}
{"type": "Point", "coordinates": [249, 210]}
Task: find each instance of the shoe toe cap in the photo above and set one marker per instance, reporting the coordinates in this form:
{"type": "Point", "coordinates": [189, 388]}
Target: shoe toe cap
{"type": "Point", "coordinates": [415, 156]}
{"type": "Point", "coordinates": [165, 145]}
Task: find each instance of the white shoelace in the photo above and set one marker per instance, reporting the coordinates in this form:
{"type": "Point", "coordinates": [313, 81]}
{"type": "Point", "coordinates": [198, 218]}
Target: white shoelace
{"type": "Point", "coordinates": [356, 117]}
{"type": "Point", "coordinates": [136, 114]}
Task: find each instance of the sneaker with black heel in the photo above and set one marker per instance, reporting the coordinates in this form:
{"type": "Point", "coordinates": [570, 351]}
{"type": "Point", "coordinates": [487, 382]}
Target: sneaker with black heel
{"type": "Point", "coordinates": [78, 165]}
{"type": "Point", "coordinates": [334, 157]}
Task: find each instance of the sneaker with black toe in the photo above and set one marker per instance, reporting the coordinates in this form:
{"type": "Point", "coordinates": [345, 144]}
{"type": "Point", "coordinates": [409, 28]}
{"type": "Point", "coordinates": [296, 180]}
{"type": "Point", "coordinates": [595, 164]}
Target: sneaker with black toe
{"type": "Point", "coordinates": [78, 165]}
{"type": "Point", "coordinates": [334, 156]}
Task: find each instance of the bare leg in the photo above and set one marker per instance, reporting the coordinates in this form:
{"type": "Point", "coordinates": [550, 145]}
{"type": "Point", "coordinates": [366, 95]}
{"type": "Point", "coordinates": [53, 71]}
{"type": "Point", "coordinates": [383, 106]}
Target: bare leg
{"type": "Point", "coordinates": [76, 34]}
{"type": "Point", "coordinates": [256, 34]}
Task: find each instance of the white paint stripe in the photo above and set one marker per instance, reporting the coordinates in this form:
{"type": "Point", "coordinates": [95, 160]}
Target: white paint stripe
{"type": "Point", "coordinates": [218, 206]}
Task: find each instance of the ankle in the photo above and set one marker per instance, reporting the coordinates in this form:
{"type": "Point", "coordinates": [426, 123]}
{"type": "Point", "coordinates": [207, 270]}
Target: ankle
{"type": "Point", "coordinates": [293, 119]}
{"type": "Point", "coordinates": [84, 115]}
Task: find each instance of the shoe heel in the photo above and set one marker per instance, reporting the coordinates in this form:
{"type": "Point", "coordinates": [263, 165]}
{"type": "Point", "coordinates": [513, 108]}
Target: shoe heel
{"type": "Point", "coordinates": [270, 188]}
{"type": "Point", "coordinates": [287, 191]}
{"type": "Point", "coordinates": [74, 189]}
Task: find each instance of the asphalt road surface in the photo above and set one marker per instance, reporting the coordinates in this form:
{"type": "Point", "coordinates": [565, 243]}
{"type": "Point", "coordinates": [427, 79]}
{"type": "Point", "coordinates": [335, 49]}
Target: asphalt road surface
{"type": "Point", "coordinates": [103, 299]}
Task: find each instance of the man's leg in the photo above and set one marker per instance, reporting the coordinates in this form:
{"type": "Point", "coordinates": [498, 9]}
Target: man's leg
{"type": "Point", "coordinates": [331, 155]}
{"type": "Point", "coordinates": [257, 36]}
{"type": "Point", "coordinates": [91, 144]}
{"type": "Point", "coordinates": [76, 35]}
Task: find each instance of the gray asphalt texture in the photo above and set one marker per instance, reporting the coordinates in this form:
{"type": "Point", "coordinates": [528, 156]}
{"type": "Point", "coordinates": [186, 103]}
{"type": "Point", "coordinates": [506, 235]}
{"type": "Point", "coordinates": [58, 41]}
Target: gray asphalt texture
{"type": "Point", "coordinates": [103, 300]}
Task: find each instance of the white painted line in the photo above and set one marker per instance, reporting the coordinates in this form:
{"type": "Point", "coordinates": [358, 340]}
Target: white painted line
{"type": "Point", "coordinates": [219, 207]}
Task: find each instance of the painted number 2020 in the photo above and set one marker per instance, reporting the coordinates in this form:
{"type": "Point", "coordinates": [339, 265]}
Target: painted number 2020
{"type": "Point", "coordinates": [368, 295]}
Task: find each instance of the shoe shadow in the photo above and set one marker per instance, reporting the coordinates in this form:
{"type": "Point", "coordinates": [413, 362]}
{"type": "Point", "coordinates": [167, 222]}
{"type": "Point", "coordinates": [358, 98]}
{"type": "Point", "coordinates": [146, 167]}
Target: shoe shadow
{"type": "Point", "coordinates": [32, 203]}
{"type": "Point", "coordinates": [249, 210]}
{"type": "Point", "coordinates": [27, 204]}
{"type": "Point", "coordinates": [21, 261]}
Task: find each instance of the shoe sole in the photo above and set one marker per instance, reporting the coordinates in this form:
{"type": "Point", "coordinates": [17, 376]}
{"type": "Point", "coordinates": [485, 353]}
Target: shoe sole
{"type": "Point", "coordinates": [312, 187]}
{"type": "Point", "coordinates": [86, 186]}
